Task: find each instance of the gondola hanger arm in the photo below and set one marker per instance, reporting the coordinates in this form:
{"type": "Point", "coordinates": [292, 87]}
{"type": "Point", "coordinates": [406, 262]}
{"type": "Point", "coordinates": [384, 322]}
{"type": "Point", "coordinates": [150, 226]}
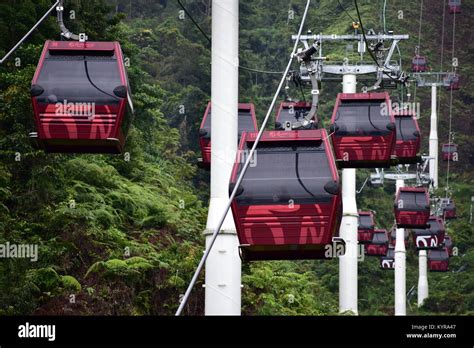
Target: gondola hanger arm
{"type": "Point", "coordinates": [82, 37]}
{"type": "Point", "coordinates": [58, 5]}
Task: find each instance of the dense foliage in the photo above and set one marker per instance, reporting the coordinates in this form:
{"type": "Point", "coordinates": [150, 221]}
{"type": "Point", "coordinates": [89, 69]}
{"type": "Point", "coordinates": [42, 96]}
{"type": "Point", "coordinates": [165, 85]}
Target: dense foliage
{"type": "Point", "coordinates": [122, 235]}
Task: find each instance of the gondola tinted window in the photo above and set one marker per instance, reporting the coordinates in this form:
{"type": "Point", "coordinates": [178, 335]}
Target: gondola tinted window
{"type": "Point", "coordinates": [419, 60]}
{"type": "Point", "coordinates": [406, 129]}
{"type": "Point", "coordinates": [365, 222]}
{"type": "Point", "coordinates": [391, 253]}
{"type": "Point", "coordinates": [362, 119]}
{"type": "Point", "coordinates": [79, 78]}
{"type": "Point", "coordinates": [380, 238]}
{"type": "Point", "coordinates": [412, 200]}
{"type": "Point", "coordinates": [246, 122]}
{"type": "Point", "coordinates": [450, 148]}
{"type": "Point", "coordinates": [285, 174]}
{"type": "Point", "coordinates": [438, 255]}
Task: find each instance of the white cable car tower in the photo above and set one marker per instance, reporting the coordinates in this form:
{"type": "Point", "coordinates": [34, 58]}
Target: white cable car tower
{"type": "Point", "coordinates": [223, 266]}
{"type": "Point", "coordinates": [433, 80]}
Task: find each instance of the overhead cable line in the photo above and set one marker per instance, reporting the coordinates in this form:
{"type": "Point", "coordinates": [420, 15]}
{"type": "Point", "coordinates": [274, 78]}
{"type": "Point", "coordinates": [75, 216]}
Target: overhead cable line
{"type": "Point", "coordinates": [244, 169]}
{"type": "Point", "coordinates": [367, 45]}
{"type": "Point", "coordinates": [442, 52]}
{"type": "Point", "coordinates": [210, 42]}
{"type": "Point", "coordinates": [260, 71]}
{"type": "Point", "coordinates": [419, 26]}
{"type": "Point", "coordinates": [194, 22]}
{"type": "Point", "coordinates": [419, 43]}
{"type": "Point", "coordinates": [30, 31]}
{"type": "Point", "coordinates": [347, 13]}
{"type": "Point", "coordinates": [450, 107]}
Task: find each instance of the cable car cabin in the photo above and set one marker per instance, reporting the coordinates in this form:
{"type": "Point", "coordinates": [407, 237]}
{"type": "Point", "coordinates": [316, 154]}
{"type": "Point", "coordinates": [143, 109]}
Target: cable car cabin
{"type": "Point", "coordinates": [366, 227]}
{"type": "Point", "coordinates": [290, 113]}
{"type": "Point", "coordinates": [448, 244]}
{"type": "Point", "coordinates": [387, 262]}
{"type": "Point", "coordinates": [438, 260]}
{"type": "Point", "coordinates": [412, 207]}
{"type": "Point", "coordinates": [454, 6]}
{"type": "Point", "coordinates": [288, 205]}
{"type": "Point", "coordinates": [379, 244]}
{"type": "Point", "coordinates": [449, 208]}
{"type": "Point", "coordinates": [393, 237]}
{"type": "Point", "coordinates": [247, 122]}
{"type": "Point", "coordinates": [81, 98]}
{"type": "Point", "coordinates": [408, 144]}
{"type": "Point", "coordinates": [363, 130]}
{"type": "Point", "coordinates": [453, 81]}
{"type": "Point", "coordinates": [431, 237]}
{"type": "Point", "coordinates": [419, 64]}
{"type": "Point", "coordinates": [450, 152]}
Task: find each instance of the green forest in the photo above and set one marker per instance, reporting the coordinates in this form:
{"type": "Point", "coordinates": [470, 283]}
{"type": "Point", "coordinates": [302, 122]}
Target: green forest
{"type": "Point", "coordinates": [123, 234]}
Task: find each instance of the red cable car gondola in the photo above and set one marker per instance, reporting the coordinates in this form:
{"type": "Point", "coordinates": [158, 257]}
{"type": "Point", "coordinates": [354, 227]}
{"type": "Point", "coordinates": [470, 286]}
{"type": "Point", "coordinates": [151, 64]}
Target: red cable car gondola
{"type": "Point", "coordinates": [450, 152]}
{"type": "Point", "coordinates": [448, 244]}
{"type": "Point", "coordinates": [387, 262]}
{"type": "Point", "coordinates": [247, 123]}
{"type": "Point", "coordinates": [419, 64]}
{"type": "Point", "coordinates": [438, 260]}
{"type": "Point", "coordinates": [393, 237]}
{"type": "Point", "coordinates": [366, 227]}
{"type": "Point", "coordinates": [412, 207]}
{"type": "Point", "coordinates": [431, 237]}
{"type": "Point", "coordinates": [379, 244]}
{"type": "Point", "coordinates": [288, 205]}
{"type": "Point", "coordinates": [453, 80]}
{"type": "Point", "coordinates": [407, 148]}
{"type": "Point", "coordinates": [81, 98]}
{"type": "Point", "coordinates": [290, 112]}
{"type": "Point", "coordinates": [363, 130]}
{"type": "Point", "coordinates": [454, 6]}
{"type": "Point", "coordinates": [449, 208]}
